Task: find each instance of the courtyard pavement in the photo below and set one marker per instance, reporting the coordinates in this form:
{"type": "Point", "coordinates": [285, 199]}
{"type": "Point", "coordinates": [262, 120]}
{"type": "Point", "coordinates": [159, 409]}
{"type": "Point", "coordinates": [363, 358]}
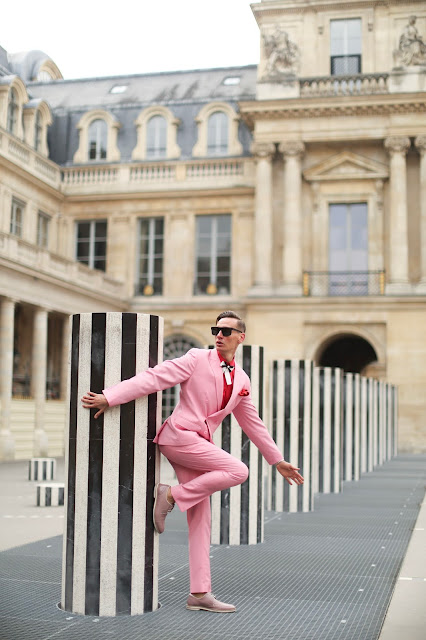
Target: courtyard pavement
{"type": "Point", "coordinates": [355, 568]}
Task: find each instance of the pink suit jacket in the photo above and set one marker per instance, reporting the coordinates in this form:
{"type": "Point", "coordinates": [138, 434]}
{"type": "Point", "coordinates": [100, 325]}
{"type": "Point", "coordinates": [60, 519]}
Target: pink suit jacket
{"type": "Point", "coordinates": [198, 410]}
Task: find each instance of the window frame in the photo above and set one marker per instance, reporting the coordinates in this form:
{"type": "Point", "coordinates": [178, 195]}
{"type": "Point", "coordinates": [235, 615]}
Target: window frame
{"type": "Point", "coordinates": [213, 256]}
{"type": "Point", "coordinates": [16, 227]}
{"type": "Point", "coordinates": [200, 149]}
{"type": "Point", "coordinates": [92, 240]}
{"type": "Point", "coordinates": [150, 288]}
{"type": "Point", "coordinates": [345, 55]}
{"type": "Point", "coordinates": [12, 112]}
{"type": "Point", "coordinates": [220, 148]}
{"type": "Point", "coordinates": [100, 139]}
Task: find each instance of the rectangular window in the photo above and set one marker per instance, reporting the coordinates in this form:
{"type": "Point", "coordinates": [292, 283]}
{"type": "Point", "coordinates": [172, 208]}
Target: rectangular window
{"type": "Point", "coordinates": [348, 249]}
{"type": "Point", "coordinates": [150, 257]}
{"type": "Point", "coordinates": [91, 243]}
{"type": "Point", "coordinates": [43, 223]}
{"type": "Point", "coordinates": [17, 217]}
{"type": "Point", "coordinates": [345, 47]}
{"type": "Point", "coordinates": [213, 255]}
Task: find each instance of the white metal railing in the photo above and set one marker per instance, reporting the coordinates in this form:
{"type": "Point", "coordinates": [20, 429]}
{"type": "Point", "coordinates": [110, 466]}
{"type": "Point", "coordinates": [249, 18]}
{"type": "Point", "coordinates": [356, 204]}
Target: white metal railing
{"type": "Point", "coordinates": [350, 85]}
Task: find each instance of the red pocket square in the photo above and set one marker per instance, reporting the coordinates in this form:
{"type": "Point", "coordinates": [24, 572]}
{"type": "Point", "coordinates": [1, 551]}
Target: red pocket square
{"type": "Point", "coordinates": [244, 392]}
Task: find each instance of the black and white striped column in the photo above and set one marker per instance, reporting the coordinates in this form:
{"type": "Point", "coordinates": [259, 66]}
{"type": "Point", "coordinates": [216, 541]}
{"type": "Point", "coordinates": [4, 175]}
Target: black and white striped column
{"type": "Point", "coordinates": [42, 469]}
{"type": "Point", "coordinates": [352, 426]}
{"type": "Point", "coordinates": [110, 557]}
{"type": "Point", "coordinates": [327, 425]}
{"type": "Point", "coordinates": [291, 414]}
{"type": "Point", "coordinates": [50, 494]}
{"type": "Point", "coordinates": [237, 513]}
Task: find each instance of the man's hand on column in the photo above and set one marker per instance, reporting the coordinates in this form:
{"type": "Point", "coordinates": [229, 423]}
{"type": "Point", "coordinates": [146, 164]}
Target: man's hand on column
{"type": "Point", "coordinates": [93, 400]}
{"type": "Point", "coordinates": [289, 472]}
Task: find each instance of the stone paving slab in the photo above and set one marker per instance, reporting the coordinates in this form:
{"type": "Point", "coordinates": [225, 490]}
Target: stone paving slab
{"type": "Point", "coordinates": [326, 575]}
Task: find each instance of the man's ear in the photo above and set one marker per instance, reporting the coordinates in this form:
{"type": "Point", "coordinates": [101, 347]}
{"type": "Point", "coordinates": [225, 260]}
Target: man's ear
{"type": "Point", "coordinates": [242, 337]}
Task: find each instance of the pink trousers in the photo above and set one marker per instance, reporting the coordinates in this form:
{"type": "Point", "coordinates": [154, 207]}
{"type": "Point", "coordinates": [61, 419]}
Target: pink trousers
{"type": "Point", "coordinates": [201, 468]}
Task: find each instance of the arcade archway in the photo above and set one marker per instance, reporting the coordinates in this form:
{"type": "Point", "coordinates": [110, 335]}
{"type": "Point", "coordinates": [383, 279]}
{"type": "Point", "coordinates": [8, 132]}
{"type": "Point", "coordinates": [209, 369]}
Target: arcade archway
{"type": "Point", "coordinates": [349, 352]}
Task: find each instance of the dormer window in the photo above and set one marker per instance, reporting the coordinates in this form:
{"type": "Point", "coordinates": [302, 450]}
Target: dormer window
{"type": "Point", "coordinates": [345, 47]}
{"type": "Point", "coordinates": [98, 139]}
{"type": "Point", "coordinates": [12, 112]}
{"type": "Point", "coordinates": [156, 138]}
{"type": "Point", "coordinates": [38, 131]}
{"type": "Point", "coordinates": [217, 134]}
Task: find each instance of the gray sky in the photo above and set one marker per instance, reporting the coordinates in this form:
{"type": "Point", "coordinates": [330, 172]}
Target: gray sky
{"type": "Point", "coordinates": [88, 38]}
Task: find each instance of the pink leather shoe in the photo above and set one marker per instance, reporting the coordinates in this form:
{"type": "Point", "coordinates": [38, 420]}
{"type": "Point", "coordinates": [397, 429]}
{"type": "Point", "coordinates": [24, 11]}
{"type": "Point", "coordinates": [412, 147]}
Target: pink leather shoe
{"type": "Point", "coordinates": [162, 506]}
{"type": "Point", "coordinates": [208, 603]}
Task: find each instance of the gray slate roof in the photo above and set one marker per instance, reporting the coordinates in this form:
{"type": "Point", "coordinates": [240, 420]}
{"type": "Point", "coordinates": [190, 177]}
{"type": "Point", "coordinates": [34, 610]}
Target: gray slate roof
{"type": "Point", "coordinates": [183, 92]}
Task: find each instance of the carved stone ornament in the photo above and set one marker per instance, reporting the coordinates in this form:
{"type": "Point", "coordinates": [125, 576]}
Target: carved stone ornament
{"type": "Point", "coordinates": [412, 47]}
{"type": "Point", "coordinates": [262, 149]}
{"type": "Point", "coordinates": [291, 148]}
{"type": "Point", "coordinates": [420, 143]}
{"type": "Point", "coordinates": [282, 56]}
{"type": "Point", "coordinates": [397, 144]}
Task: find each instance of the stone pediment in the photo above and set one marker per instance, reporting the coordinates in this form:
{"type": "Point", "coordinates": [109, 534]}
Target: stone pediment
{"type": "Point", "coordinates": [346, 166]}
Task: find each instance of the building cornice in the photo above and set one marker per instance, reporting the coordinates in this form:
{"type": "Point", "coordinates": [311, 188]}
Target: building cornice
{"type": "Point", "coordinates": [382, 105]}
{"type": "Point", "coordinates": [273, 9]}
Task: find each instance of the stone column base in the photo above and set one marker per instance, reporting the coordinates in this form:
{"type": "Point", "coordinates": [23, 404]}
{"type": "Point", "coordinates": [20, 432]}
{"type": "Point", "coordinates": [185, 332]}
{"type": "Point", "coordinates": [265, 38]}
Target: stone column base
{"type": "Point", "coordinates": [398, 289]}
{"type": "Point", "coordinates": [290, 290]}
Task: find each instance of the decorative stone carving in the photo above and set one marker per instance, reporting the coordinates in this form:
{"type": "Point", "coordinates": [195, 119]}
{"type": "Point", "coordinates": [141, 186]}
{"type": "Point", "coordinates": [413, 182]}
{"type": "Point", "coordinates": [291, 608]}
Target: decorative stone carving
{"type": "Point", "coordinates": [412, 47]}
{"type": "Point", "coordinates": [420, 143]}
{"type": "Point", "coordinates": [291, 148]}
{"type": "Point", "coordinates": [262, 149]}
{"type": "Point", "coordinates": [281, 54]}
{"type": "Point", "coordinates": [397, 144]}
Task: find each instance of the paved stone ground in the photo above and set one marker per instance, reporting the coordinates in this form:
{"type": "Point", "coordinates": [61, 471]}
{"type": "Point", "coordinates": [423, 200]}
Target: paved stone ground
{"type": "Point", "coordinates": [329, 574]}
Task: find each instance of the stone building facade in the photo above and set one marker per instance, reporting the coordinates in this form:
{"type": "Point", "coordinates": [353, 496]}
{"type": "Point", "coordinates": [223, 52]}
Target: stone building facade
{"type": "Point", "coordinates": [293, 191]}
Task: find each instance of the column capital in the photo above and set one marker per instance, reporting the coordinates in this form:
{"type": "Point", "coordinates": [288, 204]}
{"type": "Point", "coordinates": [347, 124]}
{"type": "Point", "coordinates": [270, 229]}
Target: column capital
{"type": "Point", "coordinates": [262, 149]}
{"type": "Point", "coordinates": [291, 148]}
{"type": "Point", "coordinates": [420, 143]}
{"type": "Point", "coordinates": [397, 144]}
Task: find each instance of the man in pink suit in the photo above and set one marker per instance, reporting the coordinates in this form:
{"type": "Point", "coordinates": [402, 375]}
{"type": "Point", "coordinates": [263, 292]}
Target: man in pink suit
{"type": "Point", "coordinates": [212, 386]}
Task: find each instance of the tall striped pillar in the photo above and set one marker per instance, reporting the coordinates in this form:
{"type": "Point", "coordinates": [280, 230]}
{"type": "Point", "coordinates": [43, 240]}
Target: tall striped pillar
{"type": "Point", "coordinates": [327, 425]}
{"type": "Point", "coordinates": [352, 426]}
{"type": "Point", "coordinates": [363, 424]}
{"type": "Point", "coordinates": [110, 554]}
{"type": "Point", "coordinates": [237, 513]}
{"type": "Point", "coordinates": [291, 412]}
{"type": "Point", "coordinates": [394, 420]}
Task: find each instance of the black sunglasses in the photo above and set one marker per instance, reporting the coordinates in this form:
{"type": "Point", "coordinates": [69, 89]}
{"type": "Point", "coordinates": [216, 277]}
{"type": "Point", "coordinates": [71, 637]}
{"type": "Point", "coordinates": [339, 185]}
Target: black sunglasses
{"type": "Point", "coordinates": [226, 331]}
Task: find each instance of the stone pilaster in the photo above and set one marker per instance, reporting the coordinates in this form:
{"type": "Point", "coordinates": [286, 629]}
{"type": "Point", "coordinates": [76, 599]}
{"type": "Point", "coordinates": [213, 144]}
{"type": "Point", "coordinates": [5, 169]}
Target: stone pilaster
{"type": "Point", "coordinates": [7, 326]}
{"type": "Point", "coordinates": [292, 247]}
{"type": "Point", "coordinates": [398, 282]}
{"type": "Point", "coordinates": [38, 380]}
{"type": "Point", "coordinates": [420, 143]}
{"type": "Point", "coordinates": [263, 234]}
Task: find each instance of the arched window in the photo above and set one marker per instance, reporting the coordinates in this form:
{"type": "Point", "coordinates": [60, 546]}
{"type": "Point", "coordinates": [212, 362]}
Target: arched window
{"type": "Point", "coordinates": [217, 134]}
{"type": "Point", "coordinates": [38, 131]}
{"type": "Point", "coordinates": [12, 112]}
{"type": "Point", "coordinates": [174, 347]}
{"type": "Point", "coordinates": [156, 138]}
{"type": "Point", "coordinates": [98, 138]}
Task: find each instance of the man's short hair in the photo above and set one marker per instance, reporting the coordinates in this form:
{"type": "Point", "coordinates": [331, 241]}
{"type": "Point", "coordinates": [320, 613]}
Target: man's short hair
{"type": "Point", "coordinates": [231, 314]}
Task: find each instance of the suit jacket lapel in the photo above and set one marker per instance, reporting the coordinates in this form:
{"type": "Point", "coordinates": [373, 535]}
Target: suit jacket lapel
{"type": "Point", "coordinates": [218, 376]}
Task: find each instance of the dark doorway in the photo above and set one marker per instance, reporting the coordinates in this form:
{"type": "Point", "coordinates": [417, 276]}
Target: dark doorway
{"type": "Point", "coordinates": [350, 353]}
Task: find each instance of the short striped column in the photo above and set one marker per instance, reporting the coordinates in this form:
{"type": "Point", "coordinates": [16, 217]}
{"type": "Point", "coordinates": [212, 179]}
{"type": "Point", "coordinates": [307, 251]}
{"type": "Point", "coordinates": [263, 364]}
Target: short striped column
{"type": "Point", "coordinates": [42, 469]}
{"type": "Point", "coordinates": [50, 494]}
{"type": "Point", "coordinates": [291, 412]}
{"type": "Point", "coordinates": [237, 513]}
{"type": "Point", "coordinates": [327, 426]}
{"type": "Point", "coordinates": [110, 555]}
{"type": "Point", "coordinates": [364, 424]}
{"type": "Point", "coordinates": [352, 426]}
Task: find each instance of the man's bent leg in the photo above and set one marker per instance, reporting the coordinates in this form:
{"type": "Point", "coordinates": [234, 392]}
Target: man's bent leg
{"type": "Point", "coordinates": [216, 469]}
